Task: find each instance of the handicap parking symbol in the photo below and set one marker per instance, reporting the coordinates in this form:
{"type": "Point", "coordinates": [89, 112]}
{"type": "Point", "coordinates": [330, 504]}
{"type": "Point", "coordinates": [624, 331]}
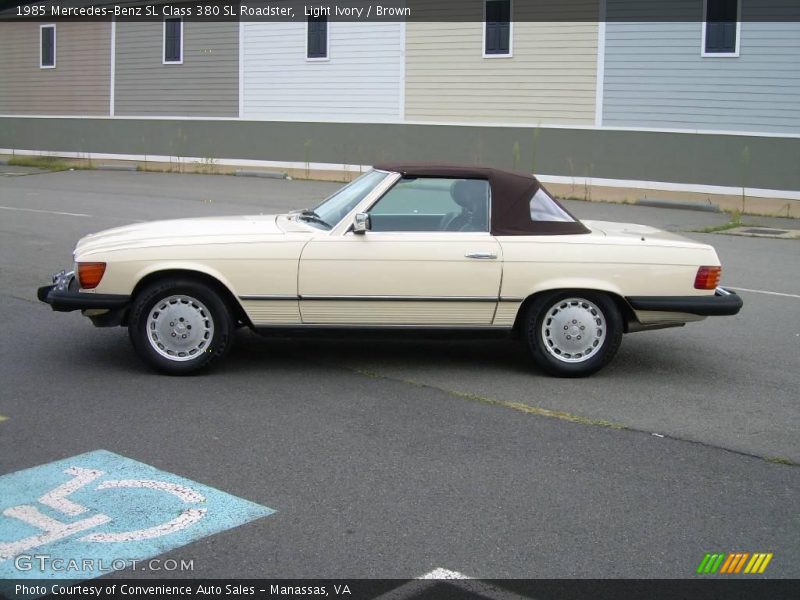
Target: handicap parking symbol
{"type": "Point", "coordinates": [87, 512]}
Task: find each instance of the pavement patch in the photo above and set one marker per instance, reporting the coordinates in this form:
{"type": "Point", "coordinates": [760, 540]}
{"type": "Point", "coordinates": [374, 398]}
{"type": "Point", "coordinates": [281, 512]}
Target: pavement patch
{"type": "Point", "coordinates": [100, 512]}
{"type": "Point", "coordinates": [764, 232]}
{"type": "Point", "coordinates": [571, 417]}
{"type": "Point", "coordinates": [518, 406]}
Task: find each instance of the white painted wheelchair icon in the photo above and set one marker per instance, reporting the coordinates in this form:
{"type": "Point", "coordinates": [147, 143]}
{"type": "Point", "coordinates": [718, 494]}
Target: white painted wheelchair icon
{"type": "Point", "coordinates": [53, 530]}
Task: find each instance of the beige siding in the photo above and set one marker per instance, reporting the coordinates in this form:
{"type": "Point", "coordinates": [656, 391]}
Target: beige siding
{"type": "Point", "coordinates": [550, 78]}
{"type": "Point", "coordinates": [206, 84]}
{"type": "Point", "coordinates": [78, 85]}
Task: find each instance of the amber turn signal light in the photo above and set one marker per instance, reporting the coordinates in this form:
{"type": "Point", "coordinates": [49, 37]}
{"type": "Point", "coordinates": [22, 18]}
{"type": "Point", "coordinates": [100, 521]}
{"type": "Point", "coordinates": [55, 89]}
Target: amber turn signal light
{"type": "Point", "coordinates": [707, 278]}
{"type": "Point", "coordinates": [90, 274]}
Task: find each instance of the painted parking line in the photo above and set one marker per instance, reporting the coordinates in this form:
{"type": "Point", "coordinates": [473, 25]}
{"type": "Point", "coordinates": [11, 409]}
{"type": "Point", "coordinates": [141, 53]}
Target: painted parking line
{"type": "Point", "coordinates": [767, 292]}
{"type": "Point", "coordinates": [99, 511]}
{"type": "Point", "coordinates": [48, 212]}
{"type": "Point", "coordinates": [465, 584]}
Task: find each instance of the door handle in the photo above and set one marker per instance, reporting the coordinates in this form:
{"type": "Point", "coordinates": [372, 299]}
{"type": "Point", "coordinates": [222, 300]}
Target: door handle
{"type": "Point", "coordinates": [481, 255]}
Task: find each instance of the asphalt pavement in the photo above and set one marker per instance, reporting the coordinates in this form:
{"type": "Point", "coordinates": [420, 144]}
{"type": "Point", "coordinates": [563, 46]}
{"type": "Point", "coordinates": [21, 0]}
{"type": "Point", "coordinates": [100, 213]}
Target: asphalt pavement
{"type": "Point", "coordinates": [391, 458]}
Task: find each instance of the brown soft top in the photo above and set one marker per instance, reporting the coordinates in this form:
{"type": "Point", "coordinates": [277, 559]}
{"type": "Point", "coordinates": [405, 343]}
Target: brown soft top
{"type": "Point", "coordinates": [510, 199]}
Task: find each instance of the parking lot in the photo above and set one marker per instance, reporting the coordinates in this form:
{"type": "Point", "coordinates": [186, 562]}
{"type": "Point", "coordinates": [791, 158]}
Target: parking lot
{"type": "Point", "coordinates": [395, 457]}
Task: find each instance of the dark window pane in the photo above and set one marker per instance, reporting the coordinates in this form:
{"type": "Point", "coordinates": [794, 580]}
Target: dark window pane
{"type": "Point", "coordinates": [48, 46]}
{"type": "Point", "coordinates": [721, 17]}
{"type": "Point", "coordinates": [172, 40]}
{"type": "Point", "coordinates": [498, 26]}
{"type": "Point", "coordinates": [317, 37]}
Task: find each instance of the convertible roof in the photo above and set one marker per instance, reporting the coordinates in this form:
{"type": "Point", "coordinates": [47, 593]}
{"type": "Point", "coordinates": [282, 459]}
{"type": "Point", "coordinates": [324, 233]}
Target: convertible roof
{"type": "Point", "coordinates": [511, 197]}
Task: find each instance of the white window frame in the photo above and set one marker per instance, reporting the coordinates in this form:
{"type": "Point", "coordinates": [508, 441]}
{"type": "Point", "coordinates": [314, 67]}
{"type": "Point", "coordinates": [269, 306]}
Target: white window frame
{"type": "Point", "coordinates": [327, 56]}
{"type": "Point", "coordinates": [164, 60]}
{"type": "Point", "coordinates": [735, 53]}
{"type": "Point", "coordinates": [55, 56]}
{"type": "Point", "coordinates": [510, 32]}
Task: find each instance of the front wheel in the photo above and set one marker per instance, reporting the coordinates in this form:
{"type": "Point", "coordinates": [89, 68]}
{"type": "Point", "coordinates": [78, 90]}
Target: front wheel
{"type": "Point", "coordinates": [573, 333]}
{"type": "Point", "coordinates": [180, 326]}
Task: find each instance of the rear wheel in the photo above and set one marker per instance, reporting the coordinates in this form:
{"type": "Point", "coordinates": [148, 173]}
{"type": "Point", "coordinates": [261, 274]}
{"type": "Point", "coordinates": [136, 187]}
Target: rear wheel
{"type": "Point", "coordinates": [180, 326]}
{"type": "Point", "coordinates": [573, 333]}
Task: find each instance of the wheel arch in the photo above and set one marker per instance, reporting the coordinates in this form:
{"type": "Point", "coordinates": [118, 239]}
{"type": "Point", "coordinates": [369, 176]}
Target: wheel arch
{"type": "Point", "coordinates": [214, 281]}
{"type": "Point", "coordinates": [622, 305]}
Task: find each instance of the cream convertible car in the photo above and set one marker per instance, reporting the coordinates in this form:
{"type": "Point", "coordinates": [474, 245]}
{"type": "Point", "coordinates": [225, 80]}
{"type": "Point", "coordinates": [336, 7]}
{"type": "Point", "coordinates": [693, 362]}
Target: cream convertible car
{"type": "Point", "coordinates": [402, 246]}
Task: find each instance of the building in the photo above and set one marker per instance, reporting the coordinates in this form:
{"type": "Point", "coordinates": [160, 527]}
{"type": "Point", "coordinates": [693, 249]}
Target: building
{"type": "Point", "coordinates": [603, 98]}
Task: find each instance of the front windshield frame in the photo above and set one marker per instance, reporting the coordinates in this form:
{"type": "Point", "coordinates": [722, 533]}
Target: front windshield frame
{"type": "Point", "coordinates": [341, 203]}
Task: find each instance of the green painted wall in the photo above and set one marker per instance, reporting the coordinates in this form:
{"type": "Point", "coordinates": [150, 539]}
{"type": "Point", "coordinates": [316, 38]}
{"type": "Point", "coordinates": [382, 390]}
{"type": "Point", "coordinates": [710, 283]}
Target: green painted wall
{"type": "Point", "coordinates": [727, 160]}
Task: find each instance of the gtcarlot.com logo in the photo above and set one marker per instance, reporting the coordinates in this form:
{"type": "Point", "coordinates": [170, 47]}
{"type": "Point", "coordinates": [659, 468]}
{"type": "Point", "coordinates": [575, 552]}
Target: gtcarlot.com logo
{"type": "Point", "coordinates": [734, 563]}
{"type": "Point", "coordinates": [46, 562]}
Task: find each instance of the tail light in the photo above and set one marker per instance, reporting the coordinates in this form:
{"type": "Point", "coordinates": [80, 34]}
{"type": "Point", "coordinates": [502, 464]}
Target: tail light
{"type": "Point", "coordinates": [707, 278]}
{"type": "Point", "coordinates": [90, 274]}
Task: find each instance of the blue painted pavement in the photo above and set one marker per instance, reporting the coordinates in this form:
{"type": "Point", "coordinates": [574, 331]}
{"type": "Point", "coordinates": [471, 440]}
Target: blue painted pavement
{"type": "Point", "coordinates": [86, 512]}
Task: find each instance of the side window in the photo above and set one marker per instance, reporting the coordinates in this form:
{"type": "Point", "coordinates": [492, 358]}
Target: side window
{"type": "Point", "coordinates": [544, 208]}
{"type": "Point", "coordinates": [433, 204]}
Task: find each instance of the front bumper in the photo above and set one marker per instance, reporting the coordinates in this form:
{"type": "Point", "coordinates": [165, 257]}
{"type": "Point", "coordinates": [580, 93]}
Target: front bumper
{"type": "Point", "coordinates": [722, 303]}
{"type": "Point", "coordinates": [64, 296]}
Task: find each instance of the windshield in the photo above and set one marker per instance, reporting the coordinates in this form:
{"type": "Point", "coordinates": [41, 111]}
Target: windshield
{"type": "Point", "coordinates": [335, 207]}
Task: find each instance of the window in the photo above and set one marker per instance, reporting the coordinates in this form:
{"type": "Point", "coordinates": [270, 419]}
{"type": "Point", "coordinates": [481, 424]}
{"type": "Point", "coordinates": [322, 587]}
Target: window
{"type": "Point", "coordinates": [47, 46]}
{"type": "Point", "coordinates": [497, 28]}
{"type": "Point", "coordinates": [544, 208]}
{"type": "Point", "coordinates": [317, 37]}
{"type": "Point", "coordinates": [721, 27]}
{"type": "Point", "coordinates": [431, 204]}
{"type": "Point", "coordinates": [173, 41]}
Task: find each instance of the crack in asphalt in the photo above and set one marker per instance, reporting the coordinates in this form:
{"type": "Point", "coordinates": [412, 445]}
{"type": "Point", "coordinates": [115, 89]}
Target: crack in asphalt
{"type": "Point", "coordinates": [566, 416]}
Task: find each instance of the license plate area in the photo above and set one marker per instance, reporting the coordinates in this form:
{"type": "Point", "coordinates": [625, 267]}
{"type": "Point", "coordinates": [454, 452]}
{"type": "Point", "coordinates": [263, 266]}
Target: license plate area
{"type": "Point", "coordinates": [62, 280]}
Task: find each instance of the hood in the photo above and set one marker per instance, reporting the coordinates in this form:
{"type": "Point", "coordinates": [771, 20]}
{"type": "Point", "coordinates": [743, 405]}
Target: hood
{"type": "Point", "coordinates": [179, 232]}
{"type": "Point", "coordinates": [627, 232]}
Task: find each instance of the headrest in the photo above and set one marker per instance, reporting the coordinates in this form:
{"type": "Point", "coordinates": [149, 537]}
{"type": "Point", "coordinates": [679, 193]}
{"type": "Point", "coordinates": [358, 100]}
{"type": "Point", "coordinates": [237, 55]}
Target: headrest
{"type": "Point", "coordinates": [470, 193]}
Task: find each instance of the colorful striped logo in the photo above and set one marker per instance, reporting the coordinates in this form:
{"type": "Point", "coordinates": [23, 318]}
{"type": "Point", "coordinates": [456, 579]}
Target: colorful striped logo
{"type": "Point", "coordinates": [734, 563]}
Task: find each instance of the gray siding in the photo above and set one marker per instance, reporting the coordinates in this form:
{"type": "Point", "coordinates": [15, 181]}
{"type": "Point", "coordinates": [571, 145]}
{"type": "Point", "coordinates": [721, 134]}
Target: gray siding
{"type": "Point", "coordinates": [655, 75]}
{"type": "Point", "coordinates": [712, 159]}
{"type": "Point", "coordinates": [206, 84]}
{"type": "Point", "coordinates": [80, 83]}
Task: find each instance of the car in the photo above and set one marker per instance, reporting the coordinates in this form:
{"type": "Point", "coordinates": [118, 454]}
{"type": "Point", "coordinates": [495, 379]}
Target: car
{"type": "Point", "coordinates": [402, 247]}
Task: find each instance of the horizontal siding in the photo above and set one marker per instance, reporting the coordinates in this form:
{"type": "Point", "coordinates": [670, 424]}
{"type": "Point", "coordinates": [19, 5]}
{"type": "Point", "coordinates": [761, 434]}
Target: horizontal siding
{"type": "Point", "coordinates": [655, 75]}
{"type": "Point", "coordinates": [360, 81]}
{"type": "Point", "coordinates": [206, 84]}
{"type": "Point", "coordinates": [550, 79]}
{"type": "Point", "coordinates": [79, 85]}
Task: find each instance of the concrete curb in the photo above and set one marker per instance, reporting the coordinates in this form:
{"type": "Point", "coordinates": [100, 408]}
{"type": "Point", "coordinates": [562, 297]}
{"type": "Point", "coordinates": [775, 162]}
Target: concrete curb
{"type": "Point", "coordinates": [682, 205]}
{"type": "Point", "coordinates": [116, 168]}
{"type": "Point", "coordinates": [265, 174]}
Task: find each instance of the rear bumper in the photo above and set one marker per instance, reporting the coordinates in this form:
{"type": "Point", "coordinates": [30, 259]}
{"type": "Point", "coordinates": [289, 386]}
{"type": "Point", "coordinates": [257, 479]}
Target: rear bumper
{"type": "Point", "coordinates": [722, 303]}
{"type": "Point", "coordinates": [64, 296]}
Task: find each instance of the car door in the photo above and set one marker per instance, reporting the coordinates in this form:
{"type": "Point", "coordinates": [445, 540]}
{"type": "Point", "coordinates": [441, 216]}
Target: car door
{"type": "Point", "coordinates": [428, 259]}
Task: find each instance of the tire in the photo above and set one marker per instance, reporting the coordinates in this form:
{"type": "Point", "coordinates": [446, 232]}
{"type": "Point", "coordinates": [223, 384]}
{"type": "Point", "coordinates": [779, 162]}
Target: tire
{"type": "Point", "coordinates": [197, 329]}
{"type": "Point", "coordinates": [573, 333]}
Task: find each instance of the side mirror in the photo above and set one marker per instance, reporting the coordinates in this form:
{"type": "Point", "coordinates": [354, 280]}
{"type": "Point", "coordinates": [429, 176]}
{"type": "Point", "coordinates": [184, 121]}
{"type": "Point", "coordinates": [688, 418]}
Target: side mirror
{"type": "Point", "coordinates": [361, 223]}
